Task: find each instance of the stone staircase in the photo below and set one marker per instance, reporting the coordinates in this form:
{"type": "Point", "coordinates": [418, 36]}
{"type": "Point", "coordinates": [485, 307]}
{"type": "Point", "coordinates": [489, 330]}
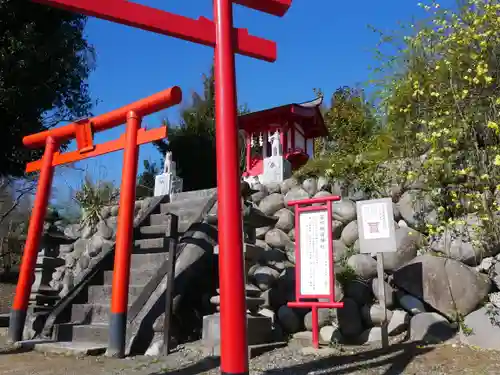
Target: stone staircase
{"type": "Point", "coordinates": [87, 325]}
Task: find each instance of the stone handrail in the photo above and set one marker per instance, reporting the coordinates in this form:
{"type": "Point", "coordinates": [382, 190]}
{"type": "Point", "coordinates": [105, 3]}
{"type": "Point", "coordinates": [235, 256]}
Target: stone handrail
{"type": "Point", "coordinates": [146, 308]}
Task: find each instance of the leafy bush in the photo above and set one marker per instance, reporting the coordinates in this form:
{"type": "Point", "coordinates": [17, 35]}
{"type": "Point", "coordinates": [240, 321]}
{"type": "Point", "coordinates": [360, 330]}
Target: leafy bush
{"type": "Point", "coordinates": [92, 197]}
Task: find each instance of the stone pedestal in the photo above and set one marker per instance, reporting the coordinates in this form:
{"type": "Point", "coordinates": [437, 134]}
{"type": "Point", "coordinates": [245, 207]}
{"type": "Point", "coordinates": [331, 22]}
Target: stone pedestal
{"type": "Point", "coordinates": [166, 184]}
{"type": "Point", "coordinates": [259, 328]}
{"type": "Point", "coordinates": [276, 169]}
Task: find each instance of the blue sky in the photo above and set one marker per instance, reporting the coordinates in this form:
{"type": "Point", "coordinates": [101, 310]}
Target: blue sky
{"type": "Point", "coordinates": [321, 44]}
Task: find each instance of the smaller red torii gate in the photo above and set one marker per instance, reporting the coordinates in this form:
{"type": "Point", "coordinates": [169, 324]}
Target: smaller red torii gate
{"type": "Point", "coordinates": [83, 132]}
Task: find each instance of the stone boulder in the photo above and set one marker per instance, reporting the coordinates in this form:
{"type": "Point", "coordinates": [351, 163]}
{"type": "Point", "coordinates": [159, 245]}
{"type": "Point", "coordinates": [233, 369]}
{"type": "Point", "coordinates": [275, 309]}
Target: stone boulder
{"type": "Point", "coordinates": [408, 241]}
{"type": "Point", "coordinates": [339, 250]}
{"type": "Point", "coordinates": [286, 219]}
{"type": "Point", "coordinates": [416, 208]}
{"type": "Point", "coordinates": [447, 285]}
{"type": "Point", "coordinates": [310, 185]}
{"type": "Point", "coordinates": [463, 242]}
{"type": "Point", "coordinates": [349, 319]}
{"type": "Point", "coordinates": [344, 211]}
{"type": "Point", "coordinates": [350, 233]}
{"type": "Point", "coordinates": [272, 203]}
{"type": "Point", "coordinates": [278, 239]}
{"type": "Point", "coordinates": [482, 328]}
{"type": "Point", "coordinates": [288, 184]}
{"type": "Point", "coordinates": [296, 194]}
{"type": "Point", "coordinates": [364, 266]}
{"type": "Point", "coordinates": [430, 328]}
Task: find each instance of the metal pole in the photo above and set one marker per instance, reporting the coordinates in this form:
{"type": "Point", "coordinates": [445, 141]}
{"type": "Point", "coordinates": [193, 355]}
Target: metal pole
{"type": "Point", "coordinates": [26, 274]}
{"type": "Point", "coordinates": [234, 349]}
{"type": "Point", "coordinates": [121, 271]}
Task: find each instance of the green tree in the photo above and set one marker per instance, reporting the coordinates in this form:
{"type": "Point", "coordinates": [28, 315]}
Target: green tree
{"type": "Point", "coordinates": [350, 121]}
{"type": "Point", "coordinates": [192, 141]}
{"type": "Point", "coordinates": [44, 63]}
{"type": "Point", "coordinates": [356, 143]}
{"type": "Point", "coordinates": [146, 180]}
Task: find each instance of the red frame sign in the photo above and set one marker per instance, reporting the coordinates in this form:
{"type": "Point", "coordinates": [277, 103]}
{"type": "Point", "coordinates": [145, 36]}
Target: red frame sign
{"type": "Point", "coordinates": [325, 290]}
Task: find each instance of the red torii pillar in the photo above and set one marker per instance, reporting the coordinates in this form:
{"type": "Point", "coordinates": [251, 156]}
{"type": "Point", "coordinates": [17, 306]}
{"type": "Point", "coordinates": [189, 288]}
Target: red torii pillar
{"type": "Point", "coordinates": [227, 41]}
{"type": "Point", "coordinates": [83, 131]}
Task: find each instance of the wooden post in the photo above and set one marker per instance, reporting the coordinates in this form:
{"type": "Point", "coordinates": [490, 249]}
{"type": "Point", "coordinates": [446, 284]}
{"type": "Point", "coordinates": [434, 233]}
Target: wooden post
{"type": "Point", "coordinates": [172, 246]}
{"type": "Point", "coordinates": [381, 293]}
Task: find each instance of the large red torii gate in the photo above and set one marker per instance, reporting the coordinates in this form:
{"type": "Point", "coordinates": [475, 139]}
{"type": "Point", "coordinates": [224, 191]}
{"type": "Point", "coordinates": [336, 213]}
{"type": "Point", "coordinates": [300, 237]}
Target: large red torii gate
{"type": "Point", "coordinates": [227, 41]}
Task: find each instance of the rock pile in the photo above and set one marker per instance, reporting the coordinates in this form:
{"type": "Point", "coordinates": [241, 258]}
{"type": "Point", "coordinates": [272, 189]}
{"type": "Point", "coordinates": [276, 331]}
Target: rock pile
{"type": "Point", "coordinates": [432, 289]}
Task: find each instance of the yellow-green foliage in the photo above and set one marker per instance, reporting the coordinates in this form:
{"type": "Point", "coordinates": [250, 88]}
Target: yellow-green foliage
{"type": "Point", "coordinates": [444, 102]}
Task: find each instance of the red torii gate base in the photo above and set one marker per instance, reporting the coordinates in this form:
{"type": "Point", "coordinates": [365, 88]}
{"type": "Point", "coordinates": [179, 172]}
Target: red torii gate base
{"type": "Point", "coordinates": [83, 132]}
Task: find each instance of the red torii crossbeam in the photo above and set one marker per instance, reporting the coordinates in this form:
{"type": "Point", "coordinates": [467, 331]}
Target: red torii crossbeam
{"type": "Point", "coordinates": [227, 41]}
{"type": "Point", "coordinates": [201, 31]}
{"type": "Point", "coordinates": [83, 132]}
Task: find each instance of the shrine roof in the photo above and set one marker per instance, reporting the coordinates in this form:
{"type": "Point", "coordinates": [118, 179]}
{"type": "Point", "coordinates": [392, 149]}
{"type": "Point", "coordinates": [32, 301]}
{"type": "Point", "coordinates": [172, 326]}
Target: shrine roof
{"type": "Point", "coordinates": [306, 114]}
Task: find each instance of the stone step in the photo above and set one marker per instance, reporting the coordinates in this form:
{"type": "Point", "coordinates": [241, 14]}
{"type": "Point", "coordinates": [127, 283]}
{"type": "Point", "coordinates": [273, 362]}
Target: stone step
{"type": "Point", "coordinates": [149, 245]}
{"type": "Point", "coordinates": [183, 213]}
{"type": "Point", "coordinates": [155, 231]}
{"type": "Point", "coordinates": [185, 204]}
{"type": "Point", "coordinates": [137, 277]}
{"type": "Point", "coordinates": [164, 220]}
{"type": "Point", "coordinates": [97, 333]}
{"type": "Point", "coordinates": [102, 293]}
{"type": "Point", "coordinates": [195, 194]}
{"type": "Point", "coordinates": [86, 313]}
{"type": "Point", "coordinates": [145, 261]}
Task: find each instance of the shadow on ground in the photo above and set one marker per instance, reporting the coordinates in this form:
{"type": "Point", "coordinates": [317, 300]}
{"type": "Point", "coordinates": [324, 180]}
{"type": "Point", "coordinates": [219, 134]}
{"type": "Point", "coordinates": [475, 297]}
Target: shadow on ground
{"type": "Point", "coordinates": [398, 357]}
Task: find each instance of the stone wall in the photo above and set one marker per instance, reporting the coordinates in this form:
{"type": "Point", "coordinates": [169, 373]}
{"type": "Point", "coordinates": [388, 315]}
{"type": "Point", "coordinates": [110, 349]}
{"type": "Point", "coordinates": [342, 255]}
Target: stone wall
{"type": "Point", "coordinates": [433, 290]}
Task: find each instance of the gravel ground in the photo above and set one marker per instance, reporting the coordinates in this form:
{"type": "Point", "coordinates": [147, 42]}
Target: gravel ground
{"type": "Point", "coordinates": [399, 359]}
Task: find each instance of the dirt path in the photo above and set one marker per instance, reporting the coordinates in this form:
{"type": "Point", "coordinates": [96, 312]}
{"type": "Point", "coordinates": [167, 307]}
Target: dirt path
{"type": "Point", "coordinates": [400, 359]}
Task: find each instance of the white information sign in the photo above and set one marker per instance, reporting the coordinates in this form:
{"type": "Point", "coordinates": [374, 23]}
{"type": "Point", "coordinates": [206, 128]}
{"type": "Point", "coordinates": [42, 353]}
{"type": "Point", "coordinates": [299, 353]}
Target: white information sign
{"type": "Point", "coordinates": [375, 221]}
{"type": "Point", "coordinates": [376, 226]}
{"type": "Point", "coordinates": [315, 270]}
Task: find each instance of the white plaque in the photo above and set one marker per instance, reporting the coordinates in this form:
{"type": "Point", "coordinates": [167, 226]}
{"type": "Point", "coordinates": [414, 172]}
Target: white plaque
{"type": "Point", "coordinates": [376, 226]}
{"type": "Point", "coordinates": [375, 221]}
{"type": "Point", "coordinates": [315, 268]}
{"type": "Point", "coordinates": [162, 184]}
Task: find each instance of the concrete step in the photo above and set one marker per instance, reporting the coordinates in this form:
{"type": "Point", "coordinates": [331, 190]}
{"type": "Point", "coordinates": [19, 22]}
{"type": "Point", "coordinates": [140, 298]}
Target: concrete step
{"type": "Point", "coordinates": [76, 349]}
{"type": "Point", "coordinates": [96, 333]}
{"type": "Point", "coordinates": [149, 260]}
{"type": "Point", "coordinates": [102, 293]}
{"type": "Point", "coordinates": [137, 277]}
{"type": "Point", "coordinates": [86, 313]}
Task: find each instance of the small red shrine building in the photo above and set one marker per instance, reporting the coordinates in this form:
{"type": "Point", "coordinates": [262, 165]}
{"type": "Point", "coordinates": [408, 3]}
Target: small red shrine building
{"type": "Point", "coordinates": [287, 131]}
